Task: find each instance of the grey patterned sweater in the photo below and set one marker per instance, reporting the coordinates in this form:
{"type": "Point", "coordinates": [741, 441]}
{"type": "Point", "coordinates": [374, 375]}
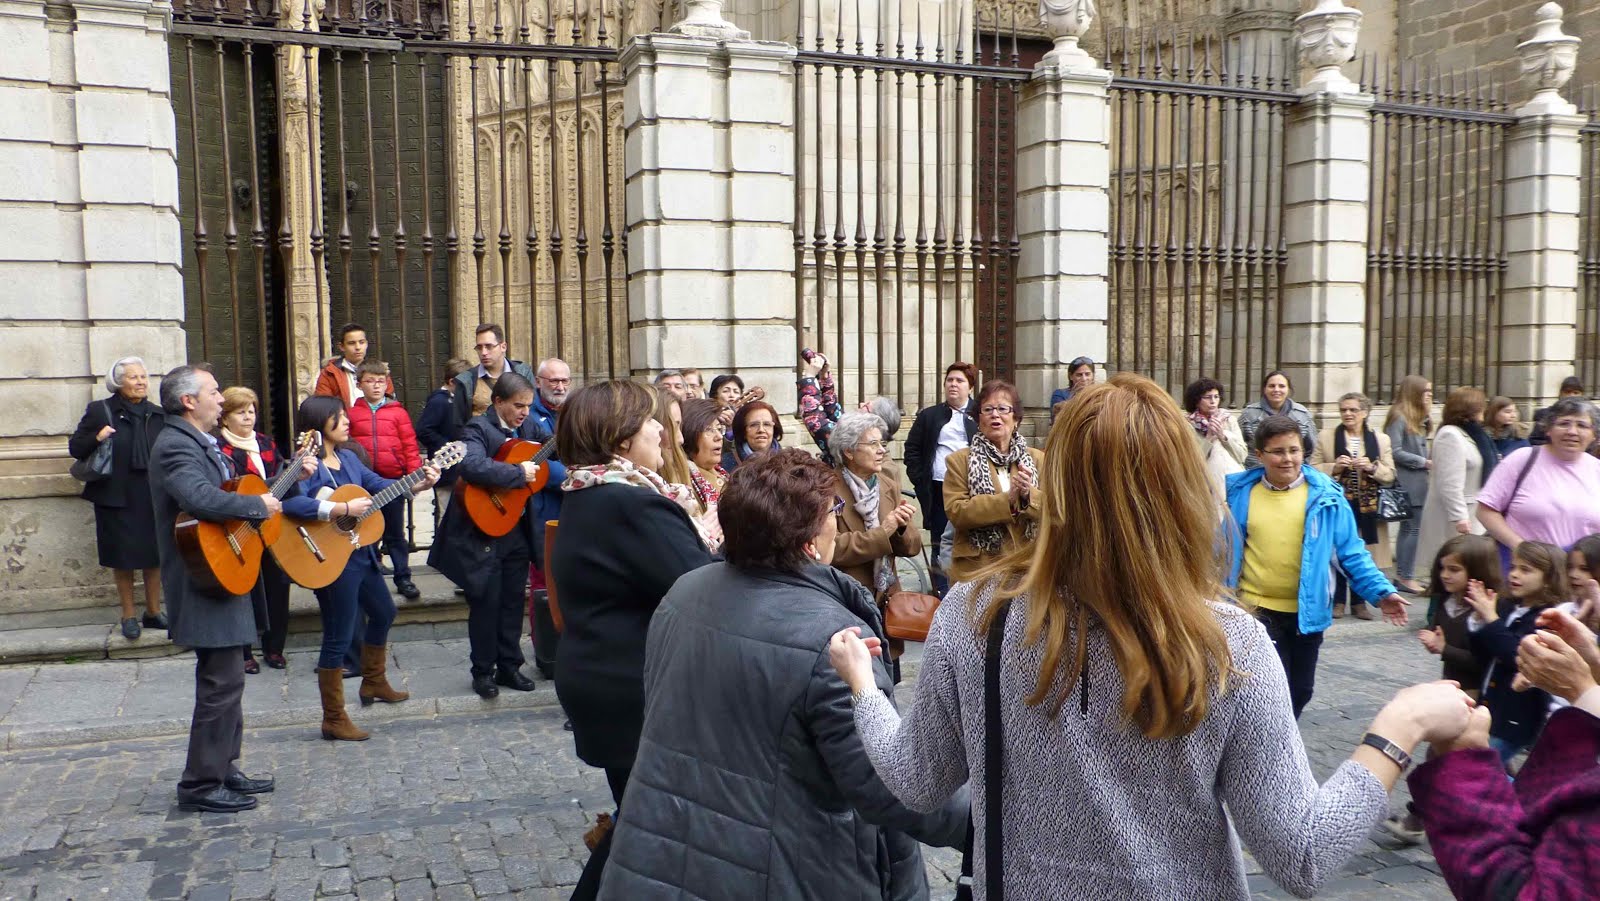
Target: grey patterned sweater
{"type": "Point", "coordinates": [1095, 810]}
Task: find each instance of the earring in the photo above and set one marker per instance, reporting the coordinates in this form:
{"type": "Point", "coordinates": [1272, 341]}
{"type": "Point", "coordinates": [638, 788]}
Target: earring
{"type": "Point", "coordinates": [814, 554]}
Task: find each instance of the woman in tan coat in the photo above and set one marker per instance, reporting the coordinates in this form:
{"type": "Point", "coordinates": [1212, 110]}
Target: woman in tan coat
{"type": "Point", "coordinates": [1361, 460]}
{"type": "Point", "coordinates": [988, 487]}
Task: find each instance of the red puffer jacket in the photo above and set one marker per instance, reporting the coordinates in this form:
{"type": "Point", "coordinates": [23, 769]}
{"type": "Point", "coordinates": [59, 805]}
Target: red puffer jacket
{"type": "Point", "coordinates": [387, 435]}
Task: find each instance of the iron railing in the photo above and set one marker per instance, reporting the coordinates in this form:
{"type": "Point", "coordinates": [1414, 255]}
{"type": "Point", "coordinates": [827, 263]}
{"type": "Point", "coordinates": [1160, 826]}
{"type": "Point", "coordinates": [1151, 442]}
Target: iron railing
{"type": "Point", "coordinates": [1588, 346]}
{"type": "Point", "coordinates": [1197, 249]}
{"type": "Point", "coordinates": [376, 162]}
{"type": "Point", "coordinates": [904, 226]}
{"type": "Point", "coordinates": [1435, 251]}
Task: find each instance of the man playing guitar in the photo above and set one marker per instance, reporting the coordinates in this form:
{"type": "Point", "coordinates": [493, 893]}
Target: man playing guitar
{"type": "Point", "coordinates": [494, 571]}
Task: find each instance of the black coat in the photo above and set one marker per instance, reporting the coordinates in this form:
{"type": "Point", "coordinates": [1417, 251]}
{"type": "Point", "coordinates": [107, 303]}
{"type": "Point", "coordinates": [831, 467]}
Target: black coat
{"type": "Point", "coordinates": [184, 476]}
{"type": "Point", "coordinates": [751, 781]}
{"type": "Point", "coordinates": [1518, 715]}
{"type": "Point", "coordinates": [619, 550]}
{"type": "Point", "coordinates": [112, 492]}
{"type": "Point", "coordinates": [460, 549]}
{"type": "Point", "coordinates": [923, 443]}
{"type": "Point", "coordinates": [439, 425]}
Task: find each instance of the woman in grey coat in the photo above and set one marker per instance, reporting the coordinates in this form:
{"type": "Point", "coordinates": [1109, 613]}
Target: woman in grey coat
{"type": "Point", "coordinates": [1276, 400]}
{"type": "Point", "coordinates": [1407, 425]}
{"type": "Point", "coordinates": [750, 782]}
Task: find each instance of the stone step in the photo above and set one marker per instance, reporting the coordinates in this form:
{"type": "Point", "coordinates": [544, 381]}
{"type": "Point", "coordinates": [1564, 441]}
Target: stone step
{"type": "Point", "coordinates": [103, 641]}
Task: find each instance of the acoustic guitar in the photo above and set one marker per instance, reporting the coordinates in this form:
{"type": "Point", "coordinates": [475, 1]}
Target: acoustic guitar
{"type": "Point", "coordinates": [224, 558]}
{"type": "Point", "coordinates": [313, 553]}
{"type": "Point", "coordinates": [495, 511]}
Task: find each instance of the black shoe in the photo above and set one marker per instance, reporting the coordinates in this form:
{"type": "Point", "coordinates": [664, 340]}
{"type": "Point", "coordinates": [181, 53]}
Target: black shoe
{"type": "Point", "coordinates": [251, 667]}
{"type": "Point", "coordinates": [567, 725]}
{"type": "Point", "coordinates": [513, 678]}
{"type": "Point", "coordinates": [156, 621]}
{"type": "Point", "coordinates": [484, 686]}
{"type": "Point", "coordinates": [275, 661]}
{"type": "Point", "coordinates": [131, 629]}
{"type": "Point", "coordinates": [547, 671]}
{"type": "Point", "coordinates": [407, 588]}
{"type": "Point", "coordinates": [219, 800]}
{"type": "Point", "coordinates": [244, 785]}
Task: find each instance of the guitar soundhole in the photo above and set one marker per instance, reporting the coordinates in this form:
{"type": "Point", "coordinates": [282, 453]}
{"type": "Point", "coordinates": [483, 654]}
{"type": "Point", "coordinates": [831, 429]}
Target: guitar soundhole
{"type": "Point", "coordinates": [344, 523]}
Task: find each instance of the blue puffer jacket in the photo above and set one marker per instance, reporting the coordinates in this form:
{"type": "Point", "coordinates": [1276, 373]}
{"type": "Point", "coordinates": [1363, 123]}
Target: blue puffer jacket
{"type": "Point", "coordinates": [1330, 530]}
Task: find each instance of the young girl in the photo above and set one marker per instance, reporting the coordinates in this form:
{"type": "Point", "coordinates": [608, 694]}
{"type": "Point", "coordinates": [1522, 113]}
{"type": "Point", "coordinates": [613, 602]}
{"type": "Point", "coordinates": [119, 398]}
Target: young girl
{"type": "Point", "coordinates": [1537, 582]}
{"type": "Point", "coordinates": [1583, 567]}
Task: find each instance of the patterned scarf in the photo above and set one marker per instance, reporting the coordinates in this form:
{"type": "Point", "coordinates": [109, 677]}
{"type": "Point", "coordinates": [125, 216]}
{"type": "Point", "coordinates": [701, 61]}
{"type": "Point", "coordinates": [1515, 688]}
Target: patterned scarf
{"type": "Point", "coordinates": [621, 471]}
{"type": "Point", "coordinates": [989, 538]}
{"type": "Point", "coordinates": [1207, 426]}
{"type": "Point", "coordinates": [1359, 488]}
{"type": "Point", "coordinates": [867, 500]}
{"type": "Point", "coordinates": [707, 492]}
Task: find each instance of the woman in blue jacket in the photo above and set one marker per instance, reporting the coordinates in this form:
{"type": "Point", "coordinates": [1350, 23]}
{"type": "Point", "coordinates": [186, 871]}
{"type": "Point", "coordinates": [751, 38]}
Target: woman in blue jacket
{"type": "Point", "coordinates": [360, 588]}
{"type": "Point", "coordinates": [1292, 524]}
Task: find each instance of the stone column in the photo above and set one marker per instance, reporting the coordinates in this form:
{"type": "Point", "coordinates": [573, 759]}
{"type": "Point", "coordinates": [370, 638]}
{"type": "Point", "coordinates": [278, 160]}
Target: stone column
{"type": "Point", "coordinates": [1325, 194]}
{"type": "Point", "coordinates": [710, 202]}
{"type": "Point", "coordinates": [88, 268]}
{"type": "Point", "coordinates": [300, 149]}
{"type": "Point", "coordinates": [1063, 211]}
{"type": "Point", "coordinates": [1538, 294]}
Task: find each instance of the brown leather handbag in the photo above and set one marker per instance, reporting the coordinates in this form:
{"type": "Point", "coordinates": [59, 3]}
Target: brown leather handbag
{"type": "Point", "coordinates": [909, 614]}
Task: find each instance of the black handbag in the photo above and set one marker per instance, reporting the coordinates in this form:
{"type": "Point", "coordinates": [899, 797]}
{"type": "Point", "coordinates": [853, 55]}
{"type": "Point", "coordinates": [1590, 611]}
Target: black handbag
{"type": "Point", "coordinates": [97, 465]}
{"type": "Point", "coordinates": [1394, 505]}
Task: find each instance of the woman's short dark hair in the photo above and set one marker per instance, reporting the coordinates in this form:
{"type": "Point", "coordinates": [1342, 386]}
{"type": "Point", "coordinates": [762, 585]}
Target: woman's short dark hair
{"type": "Point", "coordinates": [1464, 405]}
{"type": "Point", "coordinates": [597, 418]}
{"type": "Point", "coordinates": [1273, 426]}
{"type": "Point", "coordinates": [1197, 389]}
{"type": "Point", "coordinates": [316, 412]}
{"type": "Point", "coordinates": [719, 381]}
{"type": "Point", "coordinates": [698, 415]}
{"type": "Point", "coordinates": [967, 370]}
{"type": "Point", "coordinates": [743, 415]}
{"type": "Point", "coordinates": [773, 505]}
{"type": "Point", "coordinates": [1001, 386]}
{"type": "Point", "coordinates": [509, 385]}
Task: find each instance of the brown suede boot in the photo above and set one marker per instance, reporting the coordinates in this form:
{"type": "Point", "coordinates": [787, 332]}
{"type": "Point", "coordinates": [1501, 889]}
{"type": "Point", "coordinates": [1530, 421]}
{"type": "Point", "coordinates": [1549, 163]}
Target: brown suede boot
{"type": "Point", "coordinates": [336, 724]}
{"type": "Point", "coordinates": [374, 683]}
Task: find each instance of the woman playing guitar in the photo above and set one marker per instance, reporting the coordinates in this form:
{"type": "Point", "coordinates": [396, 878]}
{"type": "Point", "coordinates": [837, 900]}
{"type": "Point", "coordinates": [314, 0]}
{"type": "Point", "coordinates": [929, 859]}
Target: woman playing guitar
{"type": "Point", "coordinates": [360, 588]}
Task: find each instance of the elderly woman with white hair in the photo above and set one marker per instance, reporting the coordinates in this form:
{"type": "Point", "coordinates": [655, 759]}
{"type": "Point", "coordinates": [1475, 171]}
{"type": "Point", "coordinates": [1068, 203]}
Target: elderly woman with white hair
{"type": "Point", "coordinates": [875, 522]}
{"type": "Point", "coordinates": [888, 411]}
{"type": "Point", "coordinates": [124, 516]}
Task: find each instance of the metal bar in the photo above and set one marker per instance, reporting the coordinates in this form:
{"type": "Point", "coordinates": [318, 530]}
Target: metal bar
{"type": "Point", "coordinates": [504, 234]}
{"type": "Point", "coordinates": [399, 237]}
{"type": "Point", "coordinates": [344, 239]}
{"type": "Point", "coordinates": [258, 242]}
{"type": "Point", "coordinates": [427, 226]}
{"type": "Point", "coordinates": [202, 242]}
{"type": "Point", "coordinates": [230, 229]}
{"type": "Point", "coordinates": [917, 64]}
{"type": "Point", "coordinates": [580, 239]}
{"type": "Point", "coordinates": [860, 242]}
{"type": "Point", "coordinates": [374, 237]}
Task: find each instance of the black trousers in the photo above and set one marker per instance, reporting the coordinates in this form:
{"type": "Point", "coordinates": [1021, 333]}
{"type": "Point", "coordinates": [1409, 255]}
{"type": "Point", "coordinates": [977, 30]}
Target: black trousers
{"type": "Point", "coordinates": [217, 730]}
{"type": "Point", "coordinates": [394, 536]}
{"type": "Point", "coordinates": [494, 620]}
{"type": "Point", "coordinates": [934, 520]}
{"type": "Point", "coordinates": [588, 886]}
{"type": "Point", "coordinates": [1298, 652]}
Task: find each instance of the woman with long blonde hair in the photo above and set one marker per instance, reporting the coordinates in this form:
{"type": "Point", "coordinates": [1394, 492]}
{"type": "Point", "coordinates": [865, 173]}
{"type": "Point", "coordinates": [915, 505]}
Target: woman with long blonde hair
{"type": "Point", "coordinates": [1136, 713]}
{"type": "Point", "coordinates": [1408, 423]}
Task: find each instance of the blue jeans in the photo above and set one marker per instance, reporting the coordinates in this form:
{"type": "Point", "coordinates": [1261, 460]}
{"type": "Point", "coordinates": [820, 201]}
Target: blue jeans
{"type": "Point", "coordinates": [394, 536]}
{"type": "Point", "coordinates": [1405, 545]}
{"type": "Point", "coordinates": [359, 589]}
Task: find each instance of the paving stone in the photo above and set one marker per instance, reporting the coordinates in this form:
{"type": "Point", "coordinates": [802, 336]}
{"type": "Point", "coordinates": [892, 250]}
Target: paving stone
{"type": "Point", "coordinates": [413, 890]}
{"type": "Point", "coordinates": [337, 880]}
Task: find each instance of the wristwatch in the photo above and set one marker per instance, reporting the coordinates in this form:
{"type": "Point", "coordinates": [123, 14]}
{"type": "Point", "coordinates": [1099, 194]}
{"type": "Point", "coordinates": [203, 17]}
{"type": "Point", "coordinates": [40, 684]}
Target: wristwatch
{"type": "Point", "coordinates": [1389, 749]}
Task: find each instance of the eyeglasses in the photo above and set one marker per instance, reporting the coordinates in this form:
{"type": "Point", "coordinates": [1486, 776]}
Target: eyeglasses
{"type": "Point", "coordinates": [1283, 453]}
{"type": "Point", "coordinates": [873, 445]}
{"type": "Point", "coordinates": [1000, 409]}
{"type": "Point", "coordinates": [485, 347]}
{"type": "Point", "coordinates": [838, 506]}
{"type": "Point", "coordinates": [555, 383]}
{"type": "Point", "coordinates": [758, 426]}
{"type": "Point", "coordinates": [1572, 425]}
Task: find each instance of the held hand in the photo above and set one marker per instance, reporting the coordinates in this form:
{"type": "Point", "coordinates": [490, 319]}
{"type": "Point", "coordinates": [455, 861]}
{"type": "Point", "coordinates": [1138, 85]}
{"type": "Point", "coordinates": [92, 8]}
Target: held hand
{"type": "Point", "coordinates": [725, 417]}
{"type": "Point", "coordinates": [1366, 464]}
{"type": "Point", "coordinates": [359, 506]}
{"type": "Point", "coordinates": [1342, 463]}
{"type": "Point", "coordinates": [852, 658]}
{"type": "Point", "coordinates": [1463, 528]}
{"type": "Point", "coordinates": [1575, 634]}
{"type": "Point", "coordinates": [1427, 465]}
{"type": "Point", "coordinates": [1553, 665]}
{"type": "Point", "coordinates": [815, 365]}
{"type": "Point", "coordinates": [1432, 639]}
{"type": "Point", "coordinates": [530, 471]}
{"type": "Point", "coordinates": [1476, 735]}
{"type": "Point", "coordinates": [1394, 610]}
{"type": "Point", "coordinates": [430, 477]}
{"type": "Point", "coordinates": [274, 506]}
{"type": "Point", "coordinates": [105, 432]}
{"type": "Point", "coordinates": [308, 467]}
{"type": "Point", "coordinates": [1432, 711]}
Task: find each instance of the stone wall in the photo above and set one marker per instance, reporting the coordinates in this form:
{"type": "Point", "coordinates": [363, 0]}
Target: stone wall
{"type": "Point", "coordinates": [89, 265]}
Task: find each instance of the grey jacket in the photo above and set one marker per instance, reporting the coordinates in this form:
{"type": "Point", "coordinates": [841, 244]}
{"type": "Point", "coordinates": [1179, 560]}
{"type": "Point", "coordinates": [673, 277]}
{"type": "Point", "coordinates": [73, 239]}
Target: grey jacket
{"type": "Point", "coordinates": [185, 476]}
{"type": "Point", "coordinates": [1250, 420]}
{"type": "Point", "coordinates": [751, 782]}
{"type": "Point", "coordinates": [1410, 460]}
{"type": "Point", "coordinates": [466, 383]}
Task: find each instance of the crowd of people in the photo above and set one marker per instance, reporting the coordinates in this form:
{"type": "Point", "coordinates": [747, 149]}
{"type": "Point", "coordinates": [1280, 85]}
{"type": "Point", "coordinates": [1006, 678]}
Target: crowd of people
{"type": "Point", "coordinates": [724, 655]}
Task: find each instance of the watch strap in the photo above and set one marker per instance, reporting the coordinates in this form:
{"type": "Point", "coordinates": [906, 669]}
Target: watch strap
{"type": "Point", "coordinates": [1389, 749]}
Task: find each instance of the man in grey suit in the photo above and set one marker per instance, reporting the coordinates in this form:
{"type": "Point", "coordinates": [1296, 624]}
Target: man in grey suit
{"type": "Point", "coordinates": [186, 474]}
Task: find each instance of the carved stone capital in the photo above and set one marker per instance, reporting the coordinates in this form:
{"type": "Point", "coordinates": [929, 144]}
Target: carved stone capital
{"type": "Point", "coordinates": [1326, 37]}
{"type": "Point", "coordinates": [1548, 58]}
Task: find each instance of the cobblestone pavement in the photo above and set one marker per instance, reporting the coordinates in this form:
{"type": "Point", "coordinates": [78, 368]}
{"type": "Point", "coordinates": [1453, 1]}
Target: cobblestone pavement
{"type": "Point", "coordinates": [473, 805]}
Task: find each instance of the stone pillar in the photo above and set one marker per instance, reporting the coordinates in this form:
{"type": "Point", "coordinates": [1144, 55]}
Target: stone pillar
{"type": "Point", "coordinates": [1063, 212]}
{"type": "Point", "coordinates": [710, 203]}
{"type": "Point", "coordinates": [300, 147]}
{"type": "Point", "coordinates": [1538, 293]}
{"type": "Point", "coordinates": [89, 265]}
{"type": "Point", "coordinates": [1326, 186]}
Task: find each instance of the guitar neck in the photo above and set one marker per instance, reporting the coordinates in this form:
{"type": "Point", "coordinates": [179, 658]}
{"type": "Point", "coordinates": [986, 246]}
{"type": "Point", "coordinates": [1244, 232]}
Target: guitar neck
{"type": "Point", "coordinates": [400, 487]}
{"type": "Point", "coordinates": [288, 475]}
{"type": "Point", "coordinates": [545, 450]}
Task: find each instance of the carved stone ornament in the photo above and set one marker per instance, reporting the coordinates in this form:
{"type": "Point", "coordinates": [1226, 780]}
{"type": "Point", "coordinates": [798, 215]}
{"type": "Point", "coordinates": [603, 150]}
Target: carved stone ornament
{"type": "Point", "coordinates": [1548, 59]}
{"type": "Point", "coordinates": [1067, 21]}
{"type": "Point", "coordinates": [704, 20]}
{"type": "Point", "coordinates": [1326, 37]}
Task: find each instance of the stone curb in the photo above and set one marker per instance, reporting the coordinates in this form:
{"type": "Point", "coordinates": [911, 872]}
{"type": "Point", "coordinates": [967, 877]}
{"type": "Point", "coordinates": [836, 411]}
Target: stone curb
{"type": "Point", "coordinates": [54, 735]}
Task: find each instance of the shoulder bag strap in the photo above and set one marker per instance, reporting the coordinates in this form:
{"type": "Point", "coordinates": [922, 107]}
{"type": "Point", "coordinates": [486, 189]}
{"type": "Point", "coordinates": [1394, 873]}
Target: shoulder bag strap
{"type": "Point", "coordinates": [993, 759]}
{"type": "Point", "coordinates": [1516, 487]}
